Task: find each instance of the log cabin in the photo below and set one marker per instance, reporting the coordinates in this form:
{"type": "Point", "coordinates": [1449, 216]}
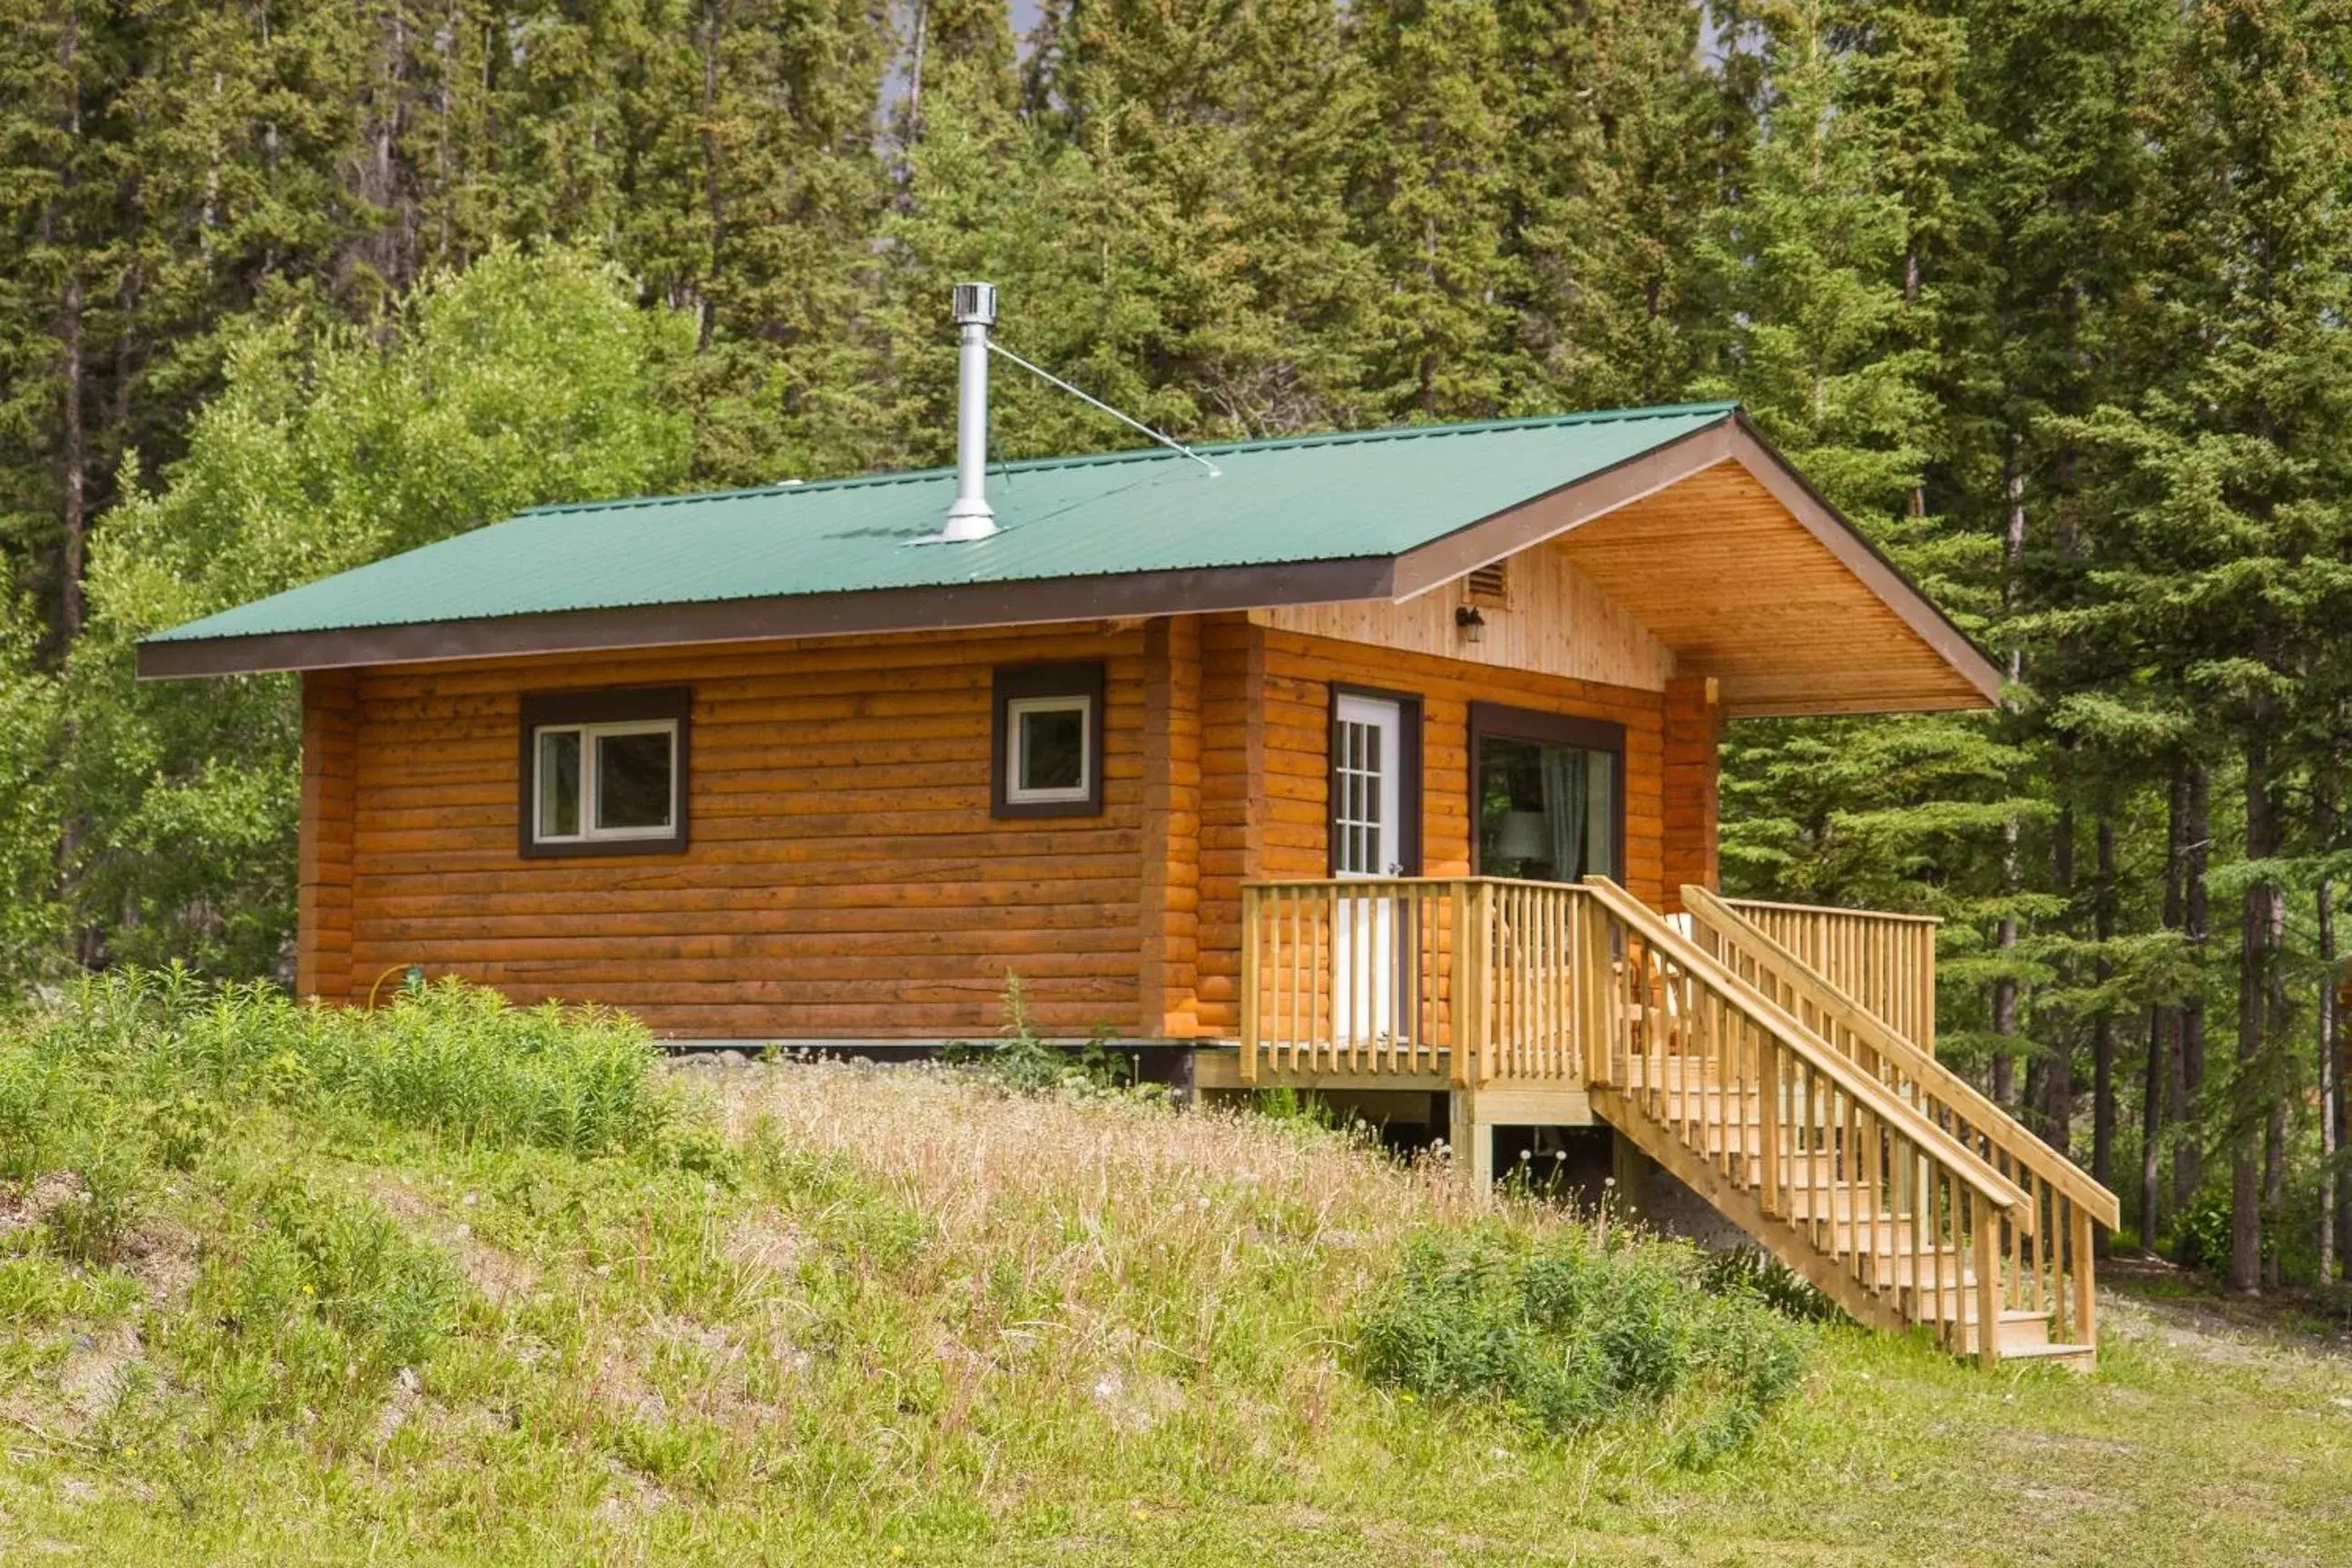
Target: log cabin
{"type": "Point", "coordinates": [1376, 764]}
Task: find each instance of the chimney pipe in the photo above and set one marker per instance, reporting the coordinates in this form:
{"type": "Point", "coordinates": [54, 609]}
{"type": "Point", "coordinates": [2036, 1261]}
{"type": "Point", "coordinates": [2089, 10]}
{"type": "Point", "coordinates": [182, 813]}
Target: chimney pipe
{"type": "Point", "coordinates": [969, 516]}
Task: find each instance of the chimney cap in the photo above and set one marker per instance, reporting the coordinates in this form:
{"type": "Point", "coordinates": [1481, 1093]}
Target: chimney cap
{"type": "Point", "coordinates": [975, 304]}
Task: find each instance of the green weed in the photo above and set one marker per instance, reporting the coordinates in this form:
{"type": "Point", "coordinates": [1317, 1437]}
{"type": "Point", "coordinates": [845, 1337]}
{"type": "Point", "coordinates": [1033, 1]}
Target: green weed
{"type": "Point", "coordinates": [1563, 1332]}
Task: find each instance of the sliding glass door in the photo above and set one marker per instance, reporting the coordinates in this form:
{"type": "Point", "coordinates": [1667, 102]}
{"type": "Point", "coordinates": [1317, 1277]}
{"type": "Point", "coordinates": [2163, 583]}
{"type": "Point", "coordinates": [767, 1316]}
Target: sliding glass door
{"type": "Point", "coordinates": [1549, 793]}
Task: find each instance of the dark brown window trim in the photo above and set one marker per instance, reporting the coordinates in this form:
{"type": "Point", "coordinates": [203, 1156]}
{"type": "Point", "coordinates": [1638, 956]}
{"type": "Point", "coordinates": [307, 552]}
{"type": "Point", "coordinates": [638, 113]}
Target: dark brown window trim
{"type": "Point", "coordinates": [1409, 782]}
{"type": "Point", "coordinates": [622, 706]}
{"type": "Point", "coordinates": [1550, 729]}
{"type": "Point", "coordinates": [1084, 679]}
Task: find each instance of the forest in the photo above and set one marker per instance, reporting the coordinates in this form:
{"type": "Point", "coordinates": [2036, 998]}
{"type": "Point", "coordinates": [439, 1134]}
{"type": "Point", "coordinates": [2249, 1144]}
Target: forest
{"type": "Point", "coordinates": [2053, 298]}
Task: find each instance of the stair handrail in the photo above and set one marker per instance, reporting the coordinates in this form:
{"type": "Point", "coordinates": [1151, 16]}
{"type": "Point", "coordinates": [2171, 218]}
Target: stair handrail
{"type": "Point", "coordinates": [1863, 1087]}
{"type": "Point", "coordinates": [2011, 1136]}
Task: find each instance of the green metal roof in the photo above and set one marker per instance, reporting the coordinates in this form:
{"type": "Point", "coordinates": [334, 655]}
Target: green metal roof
{"type": "Point", "coordinates": [1319, 497]}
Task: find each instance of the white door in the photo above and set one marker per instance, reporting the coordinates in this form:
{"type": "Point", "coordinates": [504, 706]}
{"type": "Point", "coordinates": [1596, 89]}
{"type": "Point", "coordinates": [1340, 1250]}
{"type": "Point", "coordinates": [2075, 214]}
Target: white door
{"type": "Point", "coordinates": [1367, 735]}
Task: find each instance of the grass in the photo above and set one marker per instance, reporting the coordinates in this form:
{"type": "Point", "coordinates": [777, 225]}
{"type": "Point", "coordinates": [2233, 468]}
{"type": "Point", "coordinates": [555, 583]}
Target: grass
{"type": "Point", "coordinates": [457, 1283]}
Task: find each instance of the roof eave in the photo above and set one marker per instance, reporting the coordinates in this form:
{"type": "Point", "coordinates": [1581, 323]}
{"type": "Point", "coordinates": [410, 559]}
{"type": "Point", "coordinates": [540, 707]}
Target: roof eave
{"type": "Point", "coordinates": [1866, 561]}
{"type": "Point", "coordinates": [1549, 515]}
{"type": "Point", "coordinates": [961, 606]}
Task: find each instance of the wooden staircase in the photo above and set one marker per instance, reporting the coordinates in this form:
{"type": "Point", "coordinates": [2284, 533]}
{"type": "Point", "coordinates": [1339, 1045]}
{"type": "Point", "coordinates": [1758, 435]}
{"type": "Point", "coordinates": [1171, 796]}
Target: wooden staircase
{"type": "Point", "coordinates": [1843, 1148]}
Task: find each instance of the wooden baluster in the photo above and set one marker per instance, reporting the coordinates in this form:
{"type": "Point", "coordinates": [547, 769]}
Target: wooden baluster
{"type": "Point", "coordinates": [1820, 1110]}
{"type": "Point", "coordinates": [1914, 1166]}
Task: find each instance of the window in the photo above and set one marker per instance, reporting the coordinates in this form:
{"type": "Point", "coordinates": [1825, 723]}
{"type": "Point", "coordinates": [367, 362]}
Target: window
{"type": "Point", "coordinates": [1549, 794]}
{"type": "Point", "coordinates": [1048, 740]}
{"type": "Point", "coordinates": [605, 773]}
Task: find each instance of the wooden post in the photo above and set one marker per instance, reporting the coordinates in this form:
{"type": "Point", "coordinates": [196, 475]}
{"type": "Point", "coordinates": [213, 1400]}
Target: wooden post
{"type": "Point", "coordinates": [1461, 990]}
{"type": "Point", "coordinates": [1475, 968]}
{"type": "Point", "coordinates": [1251, 979]}
{"type": "Point", "coordinates": [1592, 981]}
{"type": "Point", "coordinates": [2086, 1287]}
{"type": "Point", "coordinates": [1473, 1145]}
{"type": "Point", "coordinates": [1988, 1271]}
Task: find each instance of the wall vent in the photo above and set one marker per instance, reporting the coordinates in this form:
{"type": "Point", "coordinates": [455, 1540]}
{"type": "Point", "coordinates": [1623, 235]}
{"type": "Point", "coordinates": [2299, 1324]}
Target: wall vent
{"type": "Point", "coordinates": [1489, 585]}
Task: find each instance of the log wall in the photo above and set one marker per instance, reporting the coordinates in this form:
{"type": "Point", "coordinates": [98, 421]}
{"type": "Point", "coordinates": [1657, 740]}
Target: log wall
{"type": "Point", "coordinates": [845, 879]}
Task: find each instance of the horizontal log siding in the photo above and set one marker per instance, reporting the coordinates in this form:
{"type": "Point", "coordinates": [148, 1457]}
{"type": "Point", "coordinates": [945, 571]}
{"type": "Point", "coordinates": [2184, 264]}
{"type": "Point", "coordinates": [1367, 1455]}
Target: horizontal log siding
{"type": "Point", "coordinates": [1299, 673]}
{"type": "Point", "coordinates": [1233, 755]}
{"type": "Point", "coordinates": [1281, 738]}
{"type": "Point", "coordinates": [845, 876]}
{"type": "Point", "coordinates": [1694, 736]}
{"type": "Point", "coordinates": [322, 953]}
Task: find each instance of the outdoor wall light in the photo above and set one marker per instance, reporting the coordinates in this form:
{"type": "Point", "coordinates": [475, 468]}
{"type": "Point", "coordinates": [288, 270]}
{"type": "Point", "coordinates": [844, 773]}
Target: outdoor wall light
{"type": "Point", "coordinates": [1470, 622]}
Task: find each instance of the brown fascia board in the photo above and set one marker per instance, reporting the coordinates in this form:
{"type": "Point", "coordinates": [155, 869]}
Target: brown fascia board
{"type": "Point", "coordinates": [960, 607]}
{"type": "Point", "coordinates": [1735, 439]}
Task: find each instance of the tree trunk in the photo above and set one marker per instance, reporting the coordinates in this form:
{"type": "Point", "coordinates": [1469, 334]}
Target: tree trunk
{"type": "Point", "coordinates": [2003, 1084]}
{"type": "Point", "coordinates": [713, 190]}
{"type": "Point", "coordinates": [2188, 1149]}
{"type": "Point", "coordinates": [2324, 902]}
{"type": "Point", "coordinates": [2259, 916]}
{"type": "Point", "coordinates": [2162, 1082]}
{"type": "Point", "coordinates": [74, 459]}
{"type": "Point", "coordinates": [2103, 1026]}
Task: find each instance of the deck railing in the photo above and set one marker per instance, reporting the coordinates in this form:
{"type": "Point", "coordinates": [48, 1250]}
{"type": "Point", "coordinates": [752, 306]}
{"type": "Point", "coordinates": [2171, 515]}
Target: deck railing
{"type": "Point", "coordinates": [2050, 1265]}
{"type": "Point", "coordinates": [1885, 962]}
{"type": "Point", "coordinates": [1724, 1055]}
{"type": "Point", "coordinates": [1469, 978]}
{"type": "Point", "coordinates": [1743, 1102]}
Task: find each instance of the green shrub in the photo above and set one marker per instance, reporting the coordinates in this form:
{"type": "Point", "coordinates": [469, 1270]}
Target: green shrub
{"type": "Point", "coordinates": [1561, 1332]}
{"type": "Point", "coordinates": [460, 1060]}
{"type": "Point", "coordinates": [2200, 1233]}
{"type": "Point", "coordinates": [452, 1058]}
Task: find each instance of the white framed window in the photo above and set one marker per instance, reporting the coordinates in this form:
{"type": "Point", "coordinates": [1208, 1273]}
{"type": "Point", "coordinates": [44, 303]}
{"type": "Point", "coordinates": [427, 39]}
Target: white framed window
{"type": "Point", "coordinates": [603, 773]}
{"type": "Point", "coordinates": [606, 780]}
{"type": "Point", "coordinates": [1049, 754]}
{"type": "Point", "coordinates": [1048, 740]}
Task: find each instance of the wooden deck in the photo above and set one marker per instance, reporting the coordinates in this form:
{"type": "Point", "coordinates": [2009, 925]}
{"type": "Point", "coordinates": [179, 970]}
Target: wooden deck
{"type": "Point", "coordinates": [1776, 1059]}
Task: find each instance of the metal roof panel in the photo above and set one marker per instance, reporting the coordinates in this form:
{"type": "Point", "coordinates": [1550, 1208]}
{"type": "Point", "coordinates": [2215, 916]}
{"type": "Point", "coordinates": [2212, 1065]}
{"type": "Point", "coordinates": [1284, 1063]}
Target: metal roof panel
{"type": "Point", "coordinates": [1319, 497]}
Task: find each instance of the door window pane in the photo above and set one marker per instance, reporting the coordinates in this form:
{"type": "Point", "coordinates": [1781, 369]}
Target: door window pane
{"type": "Point", "coordinates": [632, 781]}
{"type": "Point", "coordinates": [1358, 803]}
{"type": "Point", "coordinates": [1546, 812]}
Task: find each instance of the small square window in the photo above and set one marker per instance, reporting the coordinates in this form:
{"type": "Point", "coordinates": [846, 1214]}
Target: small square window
{"type": "Point", "coordinates": [1048, 732]}
{"type": "Point", "coordinates": [1048, 737]}
{"type": "Point", "coordinates": [605, 773]}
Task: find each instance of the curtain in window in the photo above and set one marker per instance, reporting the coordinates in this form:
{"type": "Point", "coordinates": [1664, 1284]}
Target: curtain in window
{"type": "Point", "coordinates": [1567, 809]}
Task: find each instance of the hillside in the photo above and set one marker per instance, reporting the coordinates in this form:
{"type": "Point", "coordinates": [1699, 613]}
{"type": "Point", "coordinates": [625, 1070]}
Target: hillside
{"type": "Point", "coordinates": [454, 1283]}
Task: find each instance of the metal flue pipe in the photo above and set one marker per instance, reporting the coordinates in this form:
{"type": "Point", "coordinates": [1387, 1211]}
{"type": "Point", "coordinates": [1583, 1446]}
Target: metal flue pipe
{"type": "Point", "coordinates": [969, 516]}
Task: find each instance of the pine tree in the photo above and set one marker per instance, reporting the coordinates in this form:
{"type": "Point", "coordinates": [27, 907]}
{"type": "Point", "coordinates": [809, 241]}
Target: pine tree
{"type": "Point", "coordinates": [1611, 170]}
{"type": "Point", "coordinates": [1431, 202]}
{"type": "Point", "coordinates": [2233, 467]}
